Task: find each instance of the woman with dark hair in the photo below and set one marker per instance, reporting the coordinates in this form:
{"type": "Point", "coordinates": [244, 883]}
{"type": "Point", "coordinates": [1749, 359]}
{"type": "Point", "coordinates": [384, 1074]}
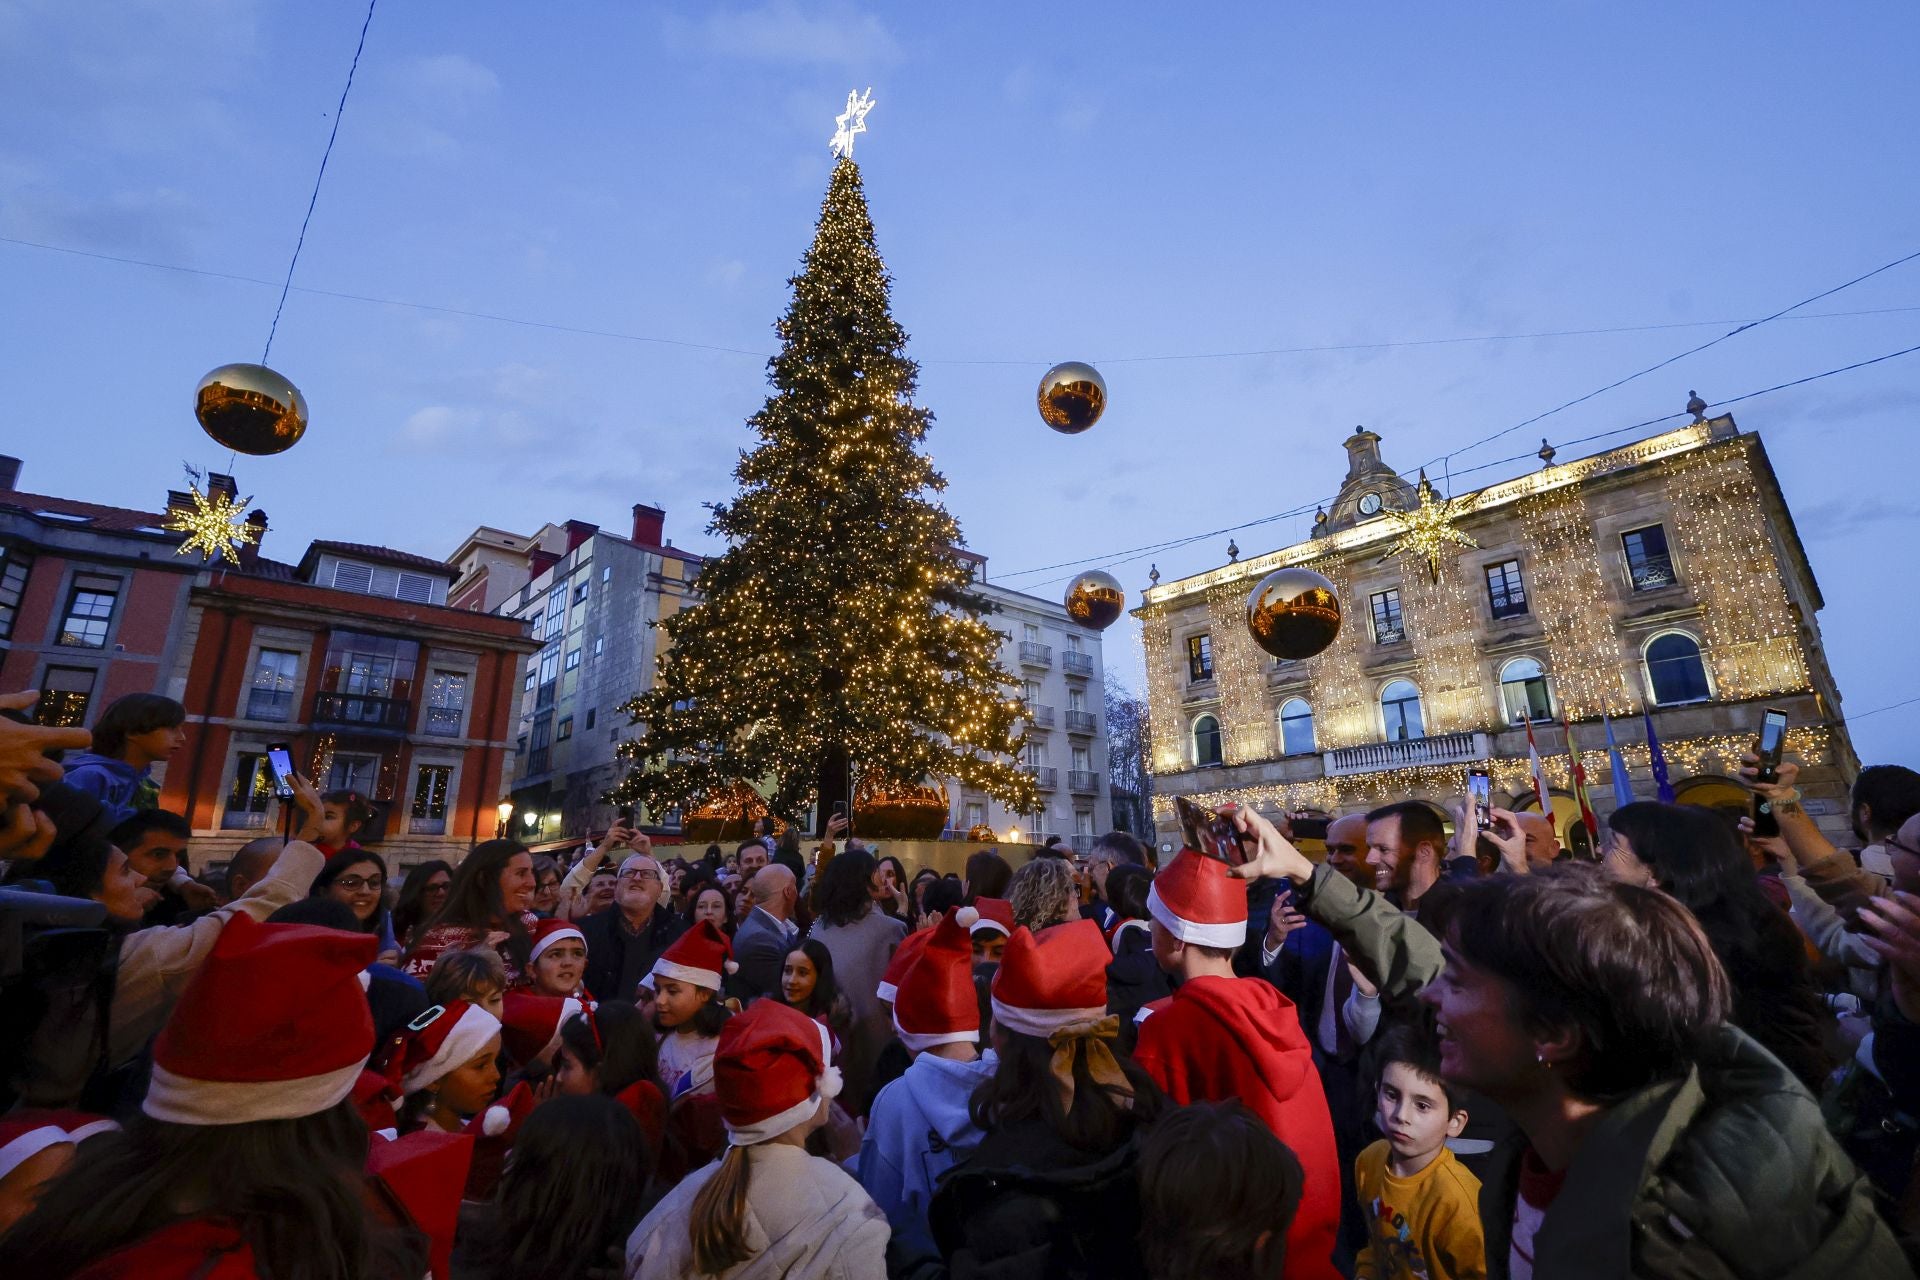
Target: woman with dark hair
{"type": "Point", "coordinates": [889, 888]}
{"type": "Point", "coordinates": [712, 901]}
{"type": "Point", "coordinates": [861, 941]}
{"type": "Point", "coordinates": [546, 886]}
{"type": "Point", "coordinates": [1594, 1013]}
{"type": "Point", "coordinates": [359, 879]}
{"type": "Point", "coordinates": [1042, 1193]}
{"type": "Point", "coordinates": [1690, 853]}
{"type": "Point", "coordinates": [137, 732]}
{"type": "Point", "coordinates": [247, 1158]}
{"type": "Point", "coordinates": [611, 1049]}
{"type": "Point", "coordinates": [573, 1190]}
{"type": "Point", "coordinates": [421, 897]}
{"type": "Point", "coordinates": [917, 897]}
{"type": "Point", "coordinates": [988, 875]}
{"type": "Point", "coordinates": [486, 903]}
{"type": "Point", "coordinates": [807, 983]}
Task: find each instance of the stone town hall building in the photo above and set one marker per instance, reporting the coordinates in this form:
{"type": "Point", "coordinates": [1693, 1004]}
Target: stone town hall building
{"type": "Point", "coordinates": [1664, 575]}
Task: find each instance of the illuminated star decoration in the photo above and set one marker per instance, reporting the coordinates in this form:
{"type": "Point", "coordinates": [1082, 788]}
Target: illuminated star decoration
{"type": "Point", "coordinates": [849, 122]}
{"type": "Point", "coordinates": [1427, 530]}
{"type": "Point", "coordinates": [214, 526]}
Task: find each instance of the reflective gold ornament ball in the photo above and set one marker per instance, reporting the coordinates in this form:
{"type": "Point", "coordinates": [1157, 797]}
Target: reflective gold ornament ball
{"type": "Point", "coordinates": [1072, 397]}
{"type": "Point", "coordinates": [251, 409]}
{"type": "Point", "coordinates": [1094, 599]}
{"type": "Point", "coordinates": [1293, 613]}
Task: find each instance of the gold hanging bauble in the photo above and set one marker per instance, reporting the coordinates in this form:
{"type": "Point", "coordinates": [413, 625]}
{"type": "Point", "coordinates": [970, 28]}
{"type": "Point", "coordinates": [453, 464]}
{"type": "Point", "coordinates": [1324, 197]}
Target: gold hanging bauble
{"type": "Point", "coordinates": [1094, 599]}
{"type": "Point", "coordinates": [1072, 397]}
{"type": "Point", "coordinates": [1293, 613]}
{"type": "Point", "coordinates": [251, 409]}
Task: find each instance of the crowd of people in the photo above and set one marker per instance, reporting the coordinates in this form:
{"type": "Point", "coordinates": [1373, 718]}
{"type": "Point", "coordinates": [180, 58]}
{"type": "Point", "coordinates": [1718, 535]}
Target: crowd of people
{"type": "Point", "coordinates": [1444, 1049]}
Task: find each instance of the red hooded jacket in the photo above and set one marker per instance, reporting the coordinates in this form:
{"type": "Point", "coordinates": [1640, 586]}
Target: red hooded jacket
{"type": "Point", "coordinates": [1221, 1038]}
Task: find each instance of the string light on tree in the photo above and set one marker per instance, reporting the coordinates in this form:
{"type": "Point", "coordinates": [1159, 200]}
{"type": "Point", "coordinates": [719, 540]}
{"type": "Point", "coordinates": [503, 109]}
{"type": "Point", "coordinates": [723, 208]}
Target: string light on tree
{"type": "Point", "coordinates": [838, 636]}
{"type": "Point", "coordinates": [216, 526]}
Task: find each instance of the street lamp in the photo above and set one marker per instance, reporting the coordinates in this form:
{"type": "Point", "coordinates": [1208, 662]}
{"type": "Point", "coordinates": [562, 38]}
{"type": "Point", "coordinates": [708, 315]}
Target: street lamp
{"type": "Point", "coordinates": [505, 811]}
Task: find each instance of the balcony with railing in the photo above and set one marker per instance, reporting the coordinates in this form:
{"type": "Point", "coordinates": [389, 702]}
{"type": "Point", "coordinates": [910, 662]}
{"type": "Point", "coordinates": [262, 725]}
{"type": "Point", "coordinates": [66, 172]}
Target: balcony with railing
{"type": "Point", "coordinates": [1085, 781]}
{"type": "Point", "coordinates": [1081, 843]}
{"type": "Point", "coordinates": [1045, 777]}
{"type": "Point", "coordinates": [1035, 655]}
{"type": "Point", "coordinates": [360, 711]}
{"type": "Point", "coordinates": [1040, 717]}
{"type": "Point", "coordinates": [1651, 572]}
{"type": "Point", "coordinates": [1372, 757]}
{"type": "Point", "coordinates": [1080, 722]}
{"type": "Point", "coordinates": [1076, 663]}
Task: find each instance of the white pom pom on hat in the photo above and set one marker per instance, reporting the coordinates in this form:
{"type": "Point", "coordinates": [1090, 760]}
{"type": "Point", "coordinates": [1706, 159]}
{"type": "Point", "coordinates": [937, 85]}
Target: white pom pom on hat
{"type": "Point", "coordinates": [495, 1121]}
{"type": "Point", "coordinates": [966, 917]}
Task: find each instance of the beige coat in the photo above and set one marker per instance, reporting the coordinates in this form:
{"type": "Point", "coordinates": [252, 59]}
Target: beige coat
{"type": "Point", "coordinates": [807, 1219]}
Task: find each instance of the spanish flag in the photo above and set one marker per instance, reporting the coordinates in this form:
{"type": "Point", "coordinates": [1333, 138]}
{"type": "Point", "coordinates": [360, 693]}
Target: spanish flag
{"type": "Point", "coordinates": [1579, 775]}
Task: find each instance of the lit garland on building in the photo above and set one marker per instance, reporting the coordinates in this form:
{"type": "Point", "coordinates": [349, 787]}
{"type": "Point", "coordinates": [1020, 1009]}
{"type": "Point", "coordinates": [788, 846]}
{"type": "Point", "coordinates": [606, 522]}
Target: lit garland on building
{"type": "Point", "coordinates": [1716, 755]}
{"type": "Point", "coordinates": [1568, 594]}
{"type": "Point", "coordinates": [1752, 637]}
{"type": "Point", "coordinates": [839, 625]}
{"type": "Point", "coordinates": [1734, 599]}
{"type": "Point", "coordinates": [1240, 675]}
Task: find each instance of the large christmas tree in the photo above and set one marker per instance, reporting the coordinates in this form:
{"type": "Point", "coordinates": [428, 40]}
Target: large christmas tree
{"type": "Point", "coordinates": [836, 637]}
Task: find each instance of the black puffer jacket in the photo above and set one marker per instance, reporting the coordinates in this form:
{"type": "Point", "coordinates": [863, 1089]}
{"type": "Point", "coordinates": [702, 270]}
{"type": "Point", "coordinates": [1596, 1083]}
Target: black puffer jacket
{"type": "Point", "coordinates": [1026, 1206]}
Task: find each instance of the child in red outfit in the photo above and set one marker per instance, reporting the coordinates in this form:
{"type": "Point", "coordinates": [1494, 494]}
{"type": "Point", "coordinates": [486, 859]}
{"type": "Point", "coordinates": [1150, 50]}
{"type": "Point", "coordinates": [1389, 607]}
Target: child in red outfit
{"type": "Point", "coordinates": [1222, 1037]}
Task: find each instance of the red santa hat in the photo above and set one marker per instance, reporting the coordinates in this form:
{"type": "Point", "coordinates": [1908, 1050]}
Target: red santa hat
{"type": "Point", "coordinates": [903, 957]}
{"type": "Point", "coordinates": [439, 1040]}
{"type": "Point", "coordinates": [274, 1026]}
{"type": "Point", "coordinates": [937, 1004]}
{"type": "Point", "coordinates": [995, 915]}
{"type": "Point", "coordinates": [1195, 900]}
{"type": "Point", "coordinates": [549, 932]}
{"type": "Point", "coordinates": [1052, 979]}
{"type": "Point", "coordinates": [80, 1125]}
{"type": "Point", "coordinates": [701, 956]}
{"type": "Point", "coordinates": [772, 1070]}
{"type": "Point", "coordinates": [530, 1023]}
{"type": "Point", "coordinates": [425, 1173]}
{"type": "Point", "coordinates": [26, 1135]}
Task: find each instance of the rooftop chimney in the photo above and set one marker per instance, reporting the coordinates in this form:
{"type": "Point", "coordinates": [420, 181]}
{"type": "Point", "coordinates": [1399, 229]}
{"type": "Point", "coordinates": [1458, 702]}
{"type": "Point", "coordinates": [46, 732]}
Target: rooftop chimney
{"type": "Point", "coordinates": [217, 483]}
{"type": "Point", "coordinates": [9, 474]}
{"type": "Point", "coordinates": [649, 523]}
{"type": "Point", "coordinates": [250, 553]}
{"type": "Point", "coordinates": [578, 531]}
{"type": "Point", "coordinates": [539, 561]}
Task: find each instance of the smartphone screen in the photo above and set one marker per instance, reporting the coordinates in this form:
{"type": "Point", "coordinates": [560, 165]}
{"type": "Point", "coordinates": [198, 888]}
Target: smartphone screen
{"type": "Point", "coordinates": [1207, 832]}
{"type": "Point", "coordinates": [1481, 788]}
{"type": "Point", "coordinates": [281, 761]}
{"type": "Point", "coordinates": [1310, 828]}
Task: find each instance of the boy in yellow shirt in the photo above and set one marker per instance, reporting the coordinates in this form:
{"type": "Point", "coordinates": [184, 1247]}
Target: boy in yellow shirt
{"type": "Point", "coordinates": [1421, 1205]}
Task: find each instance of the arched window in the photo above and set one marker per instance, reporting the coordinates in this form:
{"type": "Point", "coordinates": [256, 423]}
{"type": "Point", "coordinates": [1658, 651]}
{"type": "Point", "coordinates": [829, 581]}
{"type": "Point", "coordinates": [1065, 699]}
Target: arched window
{"type": "Point", "coordinates": [1523, 692]}
{"type": "Point", "coordinates": [1206, 741]}
{"type": "Point", "coordinates": [1296, 727]}
{"type": "Point", "coordinates": [1400, 711]}
{"type": "Point", "coordinates": [1676, 672]}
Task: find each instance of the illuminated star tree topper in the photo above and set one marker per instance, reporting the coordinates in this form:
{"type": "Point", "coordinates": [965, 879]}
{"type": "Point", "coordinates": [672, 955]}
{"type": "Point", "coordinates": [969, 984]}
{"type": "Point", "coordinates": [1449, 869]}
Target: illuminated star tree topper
{"type": "Point", "coordinates": [1428, 530]}
{"type": "Point", "coordinates": [215, 526]}
{"type": "Point", "coordinates": [849, 122]}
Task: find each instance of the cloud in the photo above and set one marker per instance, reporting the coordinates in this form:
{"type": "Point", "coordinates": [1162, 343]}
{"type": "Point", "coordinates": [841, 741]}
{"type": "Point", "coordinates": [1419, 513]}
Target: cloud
{"type": "Point", "coordinates": [156, 222]}
{"type": "Point", "coordinates": [1845, 516]}
{"type": "Point", "coordinates": [726, 272]}
{"type": "Point", "coordinates": [782, 31]}
{"type": "Point", "coordinates": [419, 104]}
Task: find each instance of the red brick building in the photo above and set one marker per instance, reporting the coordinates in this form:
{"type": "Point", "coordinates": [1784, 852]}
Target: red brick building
{"type": "Point", "coordinates": [354, 659]}
{"type": "Point", "coordinates": [92, 600]}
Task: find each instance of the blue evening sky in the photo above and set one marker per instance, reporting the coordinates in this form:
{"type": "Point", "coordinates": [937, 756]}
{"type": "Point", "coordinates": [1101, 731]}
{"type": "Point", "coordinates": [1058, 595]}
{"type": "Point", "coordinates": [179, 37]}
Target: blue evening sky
{"type": "Point", "coordinates": [1050, 182]}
